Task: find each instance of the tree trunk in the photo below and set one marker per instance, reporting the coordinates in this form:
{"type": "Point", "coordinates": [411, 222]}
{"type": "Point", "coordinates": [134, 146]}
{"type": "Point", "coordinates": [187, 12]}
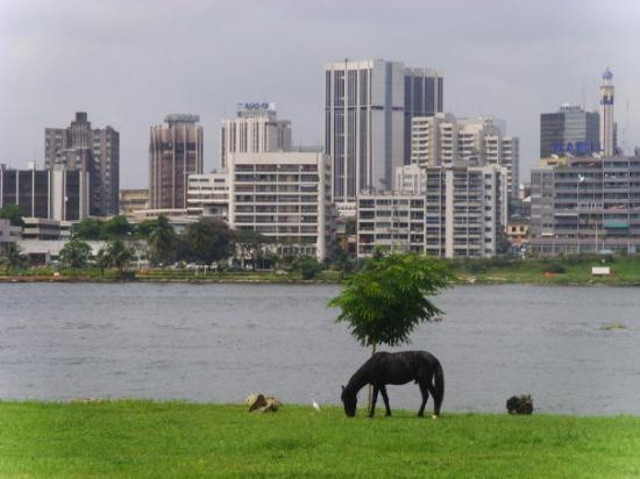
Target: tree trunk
{"type": "Point", "coordinates": [373, 351]}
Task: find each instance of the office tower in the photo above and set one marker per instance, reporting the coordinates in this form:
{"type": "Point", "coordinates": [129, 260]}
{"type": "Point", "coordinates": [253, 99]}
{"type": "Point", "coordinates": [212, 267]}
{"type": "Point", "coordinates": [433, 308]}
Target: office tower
{"type": "Point", "coordinates": [586, 206]}
{"type": "Point", "coordinates": [95, 151]}
{"type": "Point", "coordinates": [175, 152]}
{"type": "Point", "coordinates": [368, 106]}
{"type": "Point", "coordinates": [570, 130]}
{"type": "Point", "coordinates": [60, 194]}
{"type": "Point", "coordinates": [256, 129]}
{"type": "Point", "coordinates": [607, 138]}
{"type": "Point", "coordinates": [285, 196]}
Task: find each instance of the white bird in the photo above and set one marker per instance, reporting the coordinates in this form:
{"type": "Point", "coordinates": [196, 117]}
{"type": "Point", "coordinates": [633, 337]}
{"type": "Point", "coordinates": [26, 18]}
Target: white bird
{"type": "Point", "coordinates": [315, 405]}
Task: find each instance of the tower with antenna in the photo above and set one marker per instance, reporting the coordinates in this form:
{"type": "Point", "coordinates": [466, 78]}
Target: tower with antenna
{"type": "Point", "coordinates": [607, 141]}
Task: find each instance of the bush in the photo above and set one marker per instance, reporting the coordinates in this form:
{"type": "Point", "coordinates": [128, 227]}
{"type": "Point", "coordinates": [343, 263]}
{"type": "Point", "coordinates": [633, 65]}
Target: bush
{"type": "Point", "coordinates": [555, 268]}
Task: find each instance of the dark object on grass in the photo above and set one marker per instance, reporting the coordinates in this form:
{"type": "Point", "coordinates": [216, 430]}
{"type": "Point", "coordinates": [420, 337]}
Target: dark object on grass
{"type": "Point", "coordinates": [520, 404]}
{"type": "Point", "coordinates": [396, 368]}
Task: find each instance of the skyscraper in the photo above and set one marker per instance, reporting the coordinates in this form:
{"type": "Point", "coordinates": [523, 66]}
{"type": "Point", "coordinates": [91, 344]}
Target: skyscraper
{"type": "Point", "coordinates": [607, 138]}
{"type": "Point", "coordinates": [95, 151]}
{"type": "Point", "coordinates": [256, 129]}
{"type": "Point", "coordinates": [368, 106]}
{"type": "Point", "coordinates": [175, 151]}
{"type": "Point", "coordinates": [569, 130]}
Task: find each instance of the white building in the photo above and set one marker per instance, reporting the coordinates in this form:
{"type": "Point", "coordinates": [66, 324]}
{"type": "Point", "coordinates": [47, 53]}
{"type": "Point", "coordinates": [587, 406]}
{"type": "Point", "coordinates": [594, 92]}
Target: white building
{"type": "Point", "coordinates": [368, 109]}
{"type": "Point", "coordinates": [255, 129]}
{"type": "Point", "coordinates": [285, 196]}
{"type": "Point", "coordinates": [466, 210]}
{"type": "Point", "coordinates": [393, 221]}
{"type": "Point", "coordinates": [607, 126]}
{"type": "Point", "coordinates": [208, 195]}
{"type": "Point", "coordinates": [448, 141]}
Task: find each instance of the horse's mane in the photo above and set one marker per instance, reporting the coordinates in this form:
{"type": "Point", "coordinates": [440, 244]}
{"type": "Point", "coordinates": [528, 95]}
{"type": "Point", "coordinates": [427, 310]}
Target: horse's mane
{"type": "Point", "coordinates": [359, 378]}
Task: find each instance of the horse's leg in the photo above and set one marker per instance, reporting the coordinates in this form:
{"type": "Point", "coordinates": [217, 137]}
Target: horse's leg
{"type": "Point", "coordinates": [424, 389]}
{"type": "Point", "coordinates": [383, 390]}
{"type": "Point", "coordinates": [374, 399]}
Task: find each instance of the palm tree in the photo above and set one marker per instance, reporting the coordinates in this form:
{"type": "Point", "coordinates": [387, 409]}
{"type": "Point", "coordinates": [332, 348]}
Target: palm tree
{"type": "Point", "coordinates": [119, 255]}
{"type": "Point", "coordinates": [162, 241]}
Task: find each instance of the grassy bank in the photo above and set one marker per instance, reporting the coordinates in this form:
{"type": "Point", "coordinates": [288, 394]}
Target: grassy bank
{"type": "Point", "coordinates": [146, 439]}
{"type": "Point", "coordinates": [543, 271]}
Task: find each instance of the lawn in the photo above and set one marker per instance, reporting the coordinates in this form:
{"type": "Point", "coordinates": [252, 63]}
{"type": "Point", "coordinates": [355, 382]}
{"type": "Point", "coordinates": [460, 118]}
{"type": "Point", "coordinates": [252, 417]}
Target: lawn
{"type": "Point", "coordinates": [181, 440]}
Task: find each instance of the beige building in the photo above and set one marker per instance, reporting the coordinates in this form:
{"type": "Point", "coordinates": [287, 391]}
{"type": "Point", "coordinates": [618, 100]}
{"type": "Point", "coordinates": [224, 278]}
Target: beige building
{"type": "Point", "coordinates": [175, 152]}
{"type": "Point", "coordinates": [286, 197]}
{"type": "Point", "coordinates": [208, 195]}
{"type": "Point", "coordinates": [133, 200]}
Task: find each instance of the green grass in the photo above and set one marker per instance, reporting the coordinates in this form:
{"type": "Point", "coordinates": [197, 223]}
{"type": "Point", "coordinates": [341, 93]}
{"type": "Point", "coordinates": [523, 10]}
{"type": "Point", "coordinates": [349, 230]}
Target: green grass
{"type": "Point", "coordinates": [182, 440]}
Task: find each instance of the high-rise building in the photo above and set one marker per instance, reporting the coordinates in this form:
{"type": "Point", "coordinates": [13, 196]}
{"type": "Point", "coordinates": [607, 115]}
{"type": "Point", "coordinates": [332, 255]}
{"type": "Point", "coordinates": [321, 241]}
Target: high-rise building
{"type": "Point", "coordinates": [284, 196]}
{"type": "Point", "coordinates": [95, 151]}
{"type": "Point", "coordinates": [368, 108]}
{"type": "Point", "coordinates": [444, 140]}
{"type": "Point", "coordinates": [256, 129]}
{"type": "Point", "coordinates": [607, 127]}
{"type": "Point", "coordinates": [570, 130]}
{"type": "Point", "coordinates": [175, 152]}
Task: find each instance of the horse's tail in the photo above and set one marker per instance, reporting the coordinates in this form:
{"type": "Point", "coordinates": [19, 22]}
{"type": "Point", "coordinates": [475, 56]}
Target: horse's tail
{"type": "Point", "coordinates": [439, 388]}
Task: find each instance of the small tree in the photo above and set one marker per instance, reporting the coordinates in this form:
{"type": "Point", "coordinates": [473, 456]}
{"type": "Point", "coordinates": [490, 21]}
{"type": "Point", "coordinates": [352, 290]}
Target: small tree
{"type": "Point", "coordinates": [12, 257]}
{"type": "Point", "coordinates": [162, 241]}
{"type": "Point", "coordinates": [13, 213]}
{"type": "Point", "coordinates": [75, 254]}
{"type": "Point", "coordinates": [119, 255]}
{"type": "Point", "coordinates": [384, 302]}
{"type": "Point", "coordinates": [103, 260]}
{"type": "Point", "coordinates": [387, 299]}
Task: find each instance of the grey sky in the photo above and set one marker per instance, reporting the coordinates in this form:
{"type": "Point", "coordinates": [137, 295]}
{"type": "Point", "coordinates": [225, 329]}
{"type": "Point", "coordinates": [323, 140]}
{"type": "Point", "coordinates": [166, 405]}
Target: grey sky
{"type": "Point", "coordinates": [129, 62]}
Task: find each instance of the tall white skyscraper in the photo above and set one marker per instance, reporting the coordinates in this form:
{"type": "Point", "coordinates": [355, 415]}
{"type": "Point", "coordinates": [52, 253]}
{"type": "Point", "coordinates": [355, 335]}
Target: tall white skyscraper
{"type": "Point", "coordinates": [368, 109]}
{"type": "Point", "coordinates": [255, 129]}
{"type": "Point", "coordinates": [607, 133]}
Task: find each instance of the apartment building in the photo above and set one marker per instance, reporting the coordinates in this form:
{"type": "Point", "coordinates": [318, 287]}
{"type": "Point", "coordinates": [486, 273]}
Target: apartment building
{"type": "Point", "coordinates": [392, 221]}
{"type": "Point", "coordinates": [285, 196]}
{"type": "Point", "coordinates": [446, 140]}
{"type": "Point", "coordinates": [208, 195]}
{"type": "Point", "coordinates": [465, 210]}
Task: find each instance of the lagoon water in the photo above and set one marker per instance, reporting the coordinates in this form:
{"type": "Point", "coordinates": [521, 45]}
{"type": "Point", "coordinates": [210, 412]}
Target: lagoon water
{"type": "Point", "coordinates": [220, 342]}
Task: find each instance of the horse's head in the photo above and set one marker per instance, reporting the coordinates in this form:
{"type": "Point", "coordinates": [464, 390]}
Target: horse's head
{"type": "Point", "coordinates": [350, 400]}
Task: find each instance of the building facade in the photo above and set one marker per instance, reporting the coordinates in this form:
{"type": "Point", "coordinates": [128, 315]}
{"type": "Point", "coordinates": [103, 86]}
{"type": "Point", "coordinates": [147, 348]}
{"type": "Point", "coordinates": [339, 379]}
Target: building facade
{"type": "Point", "coordinates": [60, 194]}
{"type": "Point", "coordinates": [256, 129]}
{"type": "Point", "coordinates": [175, 152]}
{"type": "Point", "coordinates": [94, 151]}
{"type": "Point", "coordinates": [208, 195]}
{"type": "Point", "coordinates": [466, 210]}
{"type": "Point", "coordinates": [133, 200]}
{"type": "Point", "coordinates": [588, 205]}
{"type": "Point", "coordinates": [368, 109]}
{"type": "Point", "coordinates": [444, 140]}
{"type": "Point", "coordinates": [285, 197]}
{"type": "Point", "coordinates": [392, 221]}
{"type": "Point", "coordinates": [570, 130]}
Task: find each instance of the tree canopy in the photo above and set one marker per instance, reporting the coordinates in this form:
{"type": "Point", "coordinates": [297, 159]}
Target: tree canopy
{"type": "Point", "coordinates": [13, 213]}
{"type": "Point", "coordinates": [384, 302]}
{"type": "Point", "coordinates": [75, 254]}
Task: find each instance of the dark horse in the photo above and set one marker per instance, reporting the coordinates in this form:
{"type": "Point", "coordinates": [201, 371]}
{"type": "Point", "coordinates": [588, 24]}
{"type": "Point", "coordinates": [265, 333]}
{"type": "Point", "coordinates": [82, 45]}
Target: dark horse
{"type": "Point", "coordinates": [396, 368]}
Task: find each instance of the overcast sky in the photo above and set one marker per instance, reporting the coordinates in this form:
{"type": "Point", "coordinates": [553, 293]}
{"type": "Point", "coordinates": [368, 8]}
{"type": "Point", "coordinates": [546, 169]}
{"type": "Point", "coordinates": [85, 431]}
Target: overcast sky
{"type": "Point", "coordinates": [129, 62]}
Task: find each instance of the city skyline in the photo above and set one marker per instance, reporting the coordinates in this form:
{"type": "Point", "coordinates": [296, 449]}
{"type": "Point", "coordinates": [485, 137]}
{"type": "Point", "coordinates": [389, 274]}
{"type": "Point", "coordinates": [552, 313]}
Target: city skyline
{"type": "Point", "coordinates": [129, 63]}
